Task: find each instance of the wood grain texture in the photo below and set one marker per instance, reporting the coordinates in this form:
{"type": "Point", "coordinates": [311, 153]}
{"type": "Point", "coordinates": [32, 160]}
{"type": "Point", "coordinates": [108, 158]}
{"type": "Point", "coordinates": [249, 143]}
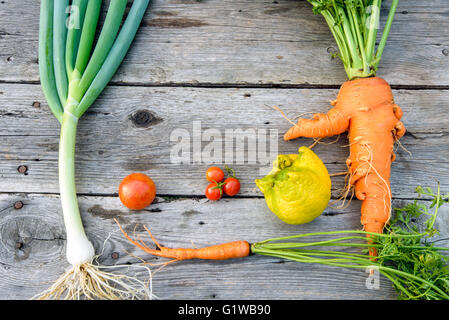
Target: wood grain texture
{"type": "Point", "coordinates": [111, 144]}
{"type": "Point", "coordinates": [225, 63]}
{"type": "Point", "coordinates": [244, 42]}
{"type": "Point", "coordinates": [32, 251]}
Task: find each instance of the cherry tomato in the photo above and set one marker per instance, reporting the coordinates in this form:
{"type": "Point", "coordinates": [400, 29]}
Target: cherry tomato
{"type": "Point", "coordinates": [231, 186]}
{"type": "Point", "coordinates": [214, 191]}
{"type": "Point", "coordinates": [137, 191]}
{"type": "Point", "coordinates": [214, 174]}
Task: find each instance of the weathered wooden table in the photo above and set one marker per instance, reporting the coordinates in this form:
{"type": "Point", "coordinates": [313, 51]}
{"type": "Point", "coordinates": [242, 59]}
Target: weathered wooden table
{"type": "Point", "coordinates": [220, 64]}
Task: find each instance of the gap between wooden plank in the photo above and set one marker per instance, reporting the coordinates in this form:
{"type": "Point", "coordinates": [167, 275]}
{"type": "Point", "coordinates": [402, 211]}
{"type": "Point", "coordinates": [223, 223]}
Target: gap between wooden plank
{"type": "Point", "coordinates": [178, 197]}
{"type": "Point", "coordinates": [242, 85]}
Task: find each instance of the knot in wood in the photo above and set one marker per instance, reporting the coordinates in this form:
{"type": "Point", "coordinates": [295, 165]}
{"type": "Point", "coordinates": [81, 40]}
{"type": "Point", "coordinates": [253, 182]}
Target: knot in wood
{"type": "Point", "coordinates": [144, 118]}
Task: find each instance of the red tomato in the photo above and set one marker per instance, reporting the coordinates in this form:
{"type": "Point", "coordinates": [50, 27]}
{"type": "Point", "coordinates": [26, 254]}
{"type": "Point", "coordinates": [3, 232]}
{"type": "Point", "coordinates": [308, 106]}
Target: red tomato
{"type": "Point", "coordinates": [231, 186]}
{"type": "Point", "coordinates": [214, 174]}
{"type": "Point", "coordinates": [137, 191]}
{"type": "Point", "coordinates": [214, 191]}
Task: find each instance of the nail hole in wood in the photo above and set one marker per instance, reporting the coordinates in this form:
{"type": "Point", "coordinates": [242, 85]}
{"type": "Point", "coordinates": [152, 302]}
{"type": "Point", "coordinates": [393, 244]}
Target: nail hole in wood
{"type": "Point", "coordinates": [23, 170]}
{"type": "Point", "coordinates": [18, 205]}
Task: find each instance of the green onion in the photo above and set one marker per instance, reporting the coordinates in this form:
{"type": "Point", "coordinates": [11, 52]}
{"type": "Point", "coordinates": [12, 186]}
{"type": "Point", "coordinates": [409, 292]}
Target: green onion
{"type": "Point", "coordinates": [77, 13]}
{"type": "Point", "coordinates": [87, 35]}
{"type": "Point", "coordinates": [46, 68]}
{"type": "Point", "coordinates": [72, 77]}
{"type": "Point", "coordinates": [60, 32]}
{"type": "Point", "coordinates": [105, 41]}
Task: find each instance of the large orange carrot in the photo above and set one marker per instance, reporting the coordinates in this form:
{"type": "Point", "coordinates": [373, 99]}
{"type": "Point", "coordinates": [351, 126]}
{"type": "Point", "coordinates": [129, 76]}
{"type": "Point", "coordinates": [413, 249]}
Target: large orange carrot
{"type": "Point", "coordinates": [224, 251]}
{"type": "Point", "coordinates": [364, 107]}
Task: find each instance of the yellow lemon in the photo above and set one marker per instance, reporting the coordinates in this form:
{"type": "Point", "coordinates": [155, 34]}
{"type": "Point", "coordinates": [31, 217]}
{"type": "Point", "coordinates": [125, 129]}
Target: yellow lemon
{"type": "Point", "coordinates": [298, 189]}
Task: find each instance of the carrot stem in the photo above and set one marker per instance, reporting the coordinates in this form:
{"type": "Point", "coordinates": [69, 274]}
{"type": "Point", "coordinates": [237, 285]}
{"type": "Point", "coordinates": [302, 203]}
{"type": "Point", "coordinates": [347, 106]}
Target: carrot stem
{"type": "Point", "coordinates": [354, 25]}
{"type": "Point", "coordinates": [386, 32]}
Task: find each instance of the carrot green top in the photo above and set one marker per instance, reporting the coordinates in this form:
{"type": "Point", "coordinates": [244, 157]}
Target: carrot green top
{"type": "Point", "coordinates": [354, 25]}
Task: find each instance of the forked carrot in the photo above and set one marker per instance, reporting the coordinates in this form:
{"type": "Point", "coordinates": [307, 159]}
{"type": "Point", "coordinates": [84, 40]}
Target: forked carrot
{"type": "Point", "coordinates": [366, 108]}
{"type": "Point", "coordinates": [224, 251]}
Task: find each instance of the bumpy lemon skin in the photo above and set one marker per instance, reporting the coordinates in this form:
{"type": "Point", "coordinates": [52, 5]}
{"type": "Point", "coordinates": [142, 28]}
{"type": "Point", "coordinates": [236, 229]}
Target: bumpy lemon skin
{"type": "Point", "coordinates": [298, 188]}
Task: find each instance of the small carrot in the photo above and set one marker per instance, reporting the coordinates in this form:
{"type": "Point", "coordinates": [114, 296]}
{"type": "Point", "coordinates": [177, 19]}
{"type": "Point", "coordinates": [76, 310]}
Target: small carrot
{"type": "Point", "coordinates": [429, 282]}
{"type": "Point", "coordinates": [224, 251]}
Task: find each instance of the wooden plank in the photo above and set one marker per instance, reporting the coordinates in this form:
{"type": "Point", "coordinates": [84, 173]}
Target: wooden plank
{"type": "Point", "coordinates": [32, 253]}
{"type": "Point", "coordinates": [244, 42]}
{"type": "Point", "coordinates": [111, 144]}
{"type": "Point", "coordinates": [256, 43]}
